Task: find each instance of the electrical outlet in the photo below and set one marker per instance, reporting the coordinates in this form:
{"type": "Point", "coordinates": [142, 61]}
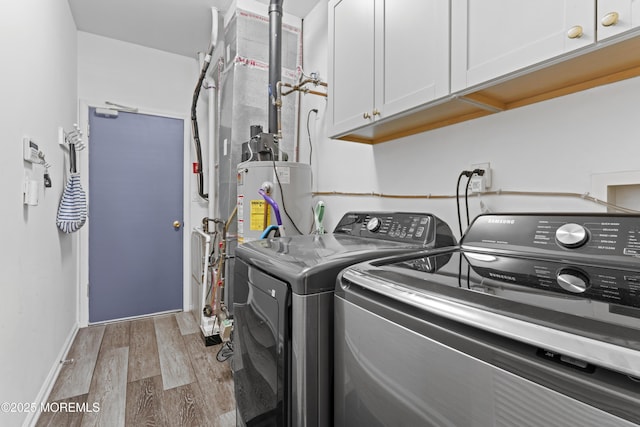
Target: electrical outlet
{"type": "Point", "coordinates": [486, 178]}
{"type": "Point", "coordinates": [477, 184]}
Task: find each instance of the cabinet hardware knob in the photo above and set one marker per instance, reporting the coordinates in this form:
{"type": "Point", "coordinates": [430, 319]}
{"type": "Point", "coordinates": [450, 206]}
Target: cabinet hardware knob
{"type": "Point", "coordinates": [366, 115]}
{"type": "Point", "coordinates": [177, 224]}
{"type": "Point", "coordinates": [376, 112]}
{"type": "Point", "coordinates": [575, 32]}
{"type": "Point", "coordinates": [610, 19]}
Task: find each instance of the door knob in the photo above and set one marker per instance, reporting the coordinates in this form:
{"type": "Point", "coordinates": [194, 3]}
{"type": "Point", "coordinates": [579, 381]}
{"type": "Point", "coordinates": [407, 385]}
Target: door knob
{"type": "Point", "coordinates": [177, 224]}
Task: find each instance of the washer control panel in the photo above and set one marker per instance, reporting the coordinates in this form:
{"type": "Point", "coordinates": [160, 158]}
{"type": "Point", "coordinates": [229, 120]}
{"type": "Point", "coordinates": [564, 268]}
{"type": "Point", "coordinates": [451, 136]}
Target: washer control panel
{"type": "Point", "coordinates": [615, 286]}
{"type": "Point", "coordinates": [604, 237]}
{"type": "Point", "coordinates": [414, 228]}
{"type": "Point", "coordinates": [571, 235]}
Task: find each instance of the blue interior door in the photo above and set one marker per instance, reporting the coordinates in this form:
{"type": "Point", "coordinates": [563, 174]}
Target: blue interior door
{"type": "Point", "coordinates": [135, 197]}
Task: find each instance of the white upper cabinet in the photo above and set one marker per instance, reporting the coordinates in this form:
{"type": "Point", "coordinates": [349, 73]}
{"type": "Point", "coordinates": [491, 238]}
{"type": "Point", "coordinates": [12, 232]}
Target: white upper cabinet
{"type": "Point", "coordinates": [400, 67]}
{"type": "Point", "coordinates": [617, 16]}
{"type": "Point", "coordinates": [385, 57]}
{"type": "Point", "coordinates": [492, 38]}
{"type": "Point", "coordinates": [414, 54]}
{"type": "Point", "coordinates": [351, 63]}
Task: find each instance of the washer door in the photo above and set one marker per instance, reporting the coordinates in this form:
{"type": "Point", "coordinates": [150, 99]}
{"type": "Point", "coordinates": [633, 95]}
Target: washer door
{"type": "Point", "coordinates": [433, 371]}
{"type": "Point", "coordinates": [261, 347]}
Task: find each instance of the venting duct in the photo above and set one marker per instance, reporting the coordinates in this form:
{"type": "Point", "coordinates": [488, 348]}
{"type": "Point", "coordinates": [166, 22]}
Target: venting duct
{"type": "Point", "coordinates": [275, 60]}
{"type": "Point", "coordinates": [243, 81]}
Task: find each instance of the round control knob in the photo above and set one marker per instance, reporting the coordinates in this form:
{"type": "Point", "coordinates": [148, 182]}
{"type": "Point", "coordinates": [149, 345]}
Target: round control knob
{"type": "Point", "coordinates": [572, 280]}
{"type": "Point", "coordinates": [374, 224]}
{"type": "Point", "coordinates": [571, 235]}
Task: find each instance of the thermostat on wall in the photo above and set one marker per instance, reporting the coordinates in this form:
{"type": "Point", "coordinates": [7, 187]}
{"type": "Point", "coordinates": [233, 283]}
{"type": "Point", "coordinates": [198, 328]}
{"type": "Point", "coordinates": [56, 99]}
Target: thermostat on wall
{"type": "Point", "coordinates": [30, 150]}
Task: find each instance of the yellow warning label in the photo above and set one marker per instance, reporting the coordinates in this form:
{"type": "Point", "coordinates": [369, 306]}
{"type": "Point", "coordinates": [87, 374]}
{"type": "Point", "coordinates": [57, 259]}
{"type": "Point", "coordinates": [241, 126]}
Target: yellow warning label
{"type": "Point", "coordinates": [260, 215]}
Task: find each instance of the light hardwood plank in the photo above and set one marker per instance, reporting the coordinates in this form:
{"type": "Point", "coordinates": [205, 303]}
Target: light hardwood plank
{"type": "Point", "coordinates": [74, 379]}
{"type": "Point", "coordinates": [144, 403]}
{"type": "Point", "coordinates": [175, 364]}
{"type": "Point", "coordinates": [116, 335]}
{"type": "Point", "coordinates": [151, 397]}
{"type": "Point", "coordinates": [187, 323]}
{"type": "Point", "coordinates": [214, 378]}
{"type": "Point", "coordinates": [226, 420]}
{"type": "Point", "coordinates": [143, 351]}
{"type": "Point", "coordinates": [67, 418]}
{"type": "Point", "coordinates": [182, 406]}
{"type": "Point", "coordinates": [109, 389]}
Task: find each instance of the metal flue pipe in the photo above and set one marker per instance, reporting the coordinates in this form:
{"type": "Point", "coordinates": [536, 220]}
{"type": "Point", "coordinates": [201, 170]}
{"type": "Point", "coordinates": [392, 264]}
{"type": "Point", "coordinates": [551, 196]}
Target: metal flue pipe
{"type": "Point", "coordinates": [275, 60]}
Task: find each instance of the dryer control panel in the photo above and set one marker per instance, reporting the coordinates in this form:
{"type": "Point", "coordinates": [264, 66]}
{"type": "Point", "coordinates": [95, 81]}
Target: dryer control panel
{"type": "Point", "coordinates": [603, 238]}
{"type": "Point", "coordinates": [413, 228]}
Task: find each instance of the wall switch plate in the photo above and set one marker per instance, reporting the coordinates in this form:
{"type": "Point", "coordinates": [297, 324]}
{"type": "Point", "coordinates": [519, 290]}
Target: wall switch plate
{"type": "Point", "coordinates": [61, 139]}
{"type": "Point", "coordinates": [30, 191]}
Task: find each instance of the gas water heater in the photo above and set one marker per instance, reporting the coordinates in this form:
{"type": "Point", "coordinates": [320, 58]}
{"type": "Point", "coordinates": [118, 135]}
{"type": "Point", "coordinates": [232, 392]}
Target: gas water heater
{"type": "Point", "coordinates": [287, 183]}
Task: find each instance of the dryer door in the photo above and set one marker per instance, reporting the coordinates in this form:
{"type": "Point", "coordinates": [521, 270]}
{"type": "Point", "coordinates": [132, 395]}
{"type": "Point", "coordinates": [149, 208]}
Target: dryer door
{"type": "Point", "coordinates": [261, 347]}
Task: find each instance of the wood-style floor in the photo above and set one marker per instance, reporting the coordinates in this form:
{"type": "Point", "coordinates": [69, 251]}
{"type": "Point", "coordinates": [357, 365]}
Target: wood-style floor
{"type": "Point", "coordinates": [148, 372]}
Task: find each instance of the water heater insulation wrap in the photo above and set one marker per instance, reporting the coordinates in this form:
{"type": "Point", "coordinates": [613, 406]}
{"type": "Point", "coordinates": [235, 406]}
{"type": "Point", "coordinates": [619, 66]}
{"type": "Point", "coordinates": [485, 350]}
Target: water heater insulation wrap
{"type": "Point", "coordinates": [254, 215]}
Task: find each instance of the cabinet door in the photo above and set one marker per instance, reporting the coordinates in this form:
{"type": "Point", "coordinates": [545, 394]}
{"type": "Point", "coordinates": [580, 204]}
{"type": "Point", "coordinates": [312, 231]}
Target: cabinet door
{"type": "Point", "coordinates": [617, 16]}
{"type": "Point", "coordinates": [414, 55]}
{"type": "Point", "coordinates": [351, 64]}
{"type": "Point", "coordinates": [491, 38]}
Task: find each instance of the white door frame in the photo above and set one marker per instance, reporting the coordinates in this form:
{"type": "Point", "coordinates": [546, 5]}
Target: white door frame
{"type": "Point", "coordinates": [83, 244]}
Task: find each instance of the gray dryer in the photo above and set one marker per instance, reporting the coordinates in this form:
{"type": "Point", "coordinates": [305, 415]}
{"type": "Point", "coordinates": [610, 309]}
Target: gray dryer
{"type": "Point", "coordinates": [283, 311]}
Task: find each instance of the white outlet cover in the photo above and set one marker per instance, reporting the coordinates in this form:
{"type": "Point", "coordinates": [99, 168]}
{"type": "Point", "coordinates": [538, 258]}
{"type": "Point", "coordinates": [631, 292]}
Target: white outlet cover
{"type": "Point", "coordinates": [487, 174]}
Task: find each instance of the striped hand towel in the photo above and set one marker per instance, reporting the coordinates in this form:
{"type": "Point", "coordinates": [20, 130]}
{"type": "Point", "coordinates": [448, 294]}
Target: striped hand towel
{"type": "Point", "coordinates": [72, 212]}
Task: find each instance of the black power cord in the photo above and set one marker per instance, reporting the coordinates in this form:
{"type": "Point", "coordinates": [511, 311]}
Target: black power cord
{"type": "Point", "coordinates": [313, 110]}
{"type": "Point", "coordinates": [469, 175]}
{"type": "Point", "coordinates": [225, 352]}
{"type": "Point", "coordinates": [478, 172]}
{"type": "Point", "coordinates": [284, 207]}
{"type": "Point", "coordinates": [466, 195]}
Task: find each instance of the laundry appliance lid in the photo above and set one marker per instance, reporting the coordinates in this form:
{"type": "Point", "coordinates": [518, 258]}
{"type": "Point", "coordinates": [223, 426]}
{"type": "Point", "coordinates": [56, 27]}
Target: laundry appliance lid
{"type": "Point", "coordinates": [517, 297]}
{"type": "Point", "coordinates": [310, 264]}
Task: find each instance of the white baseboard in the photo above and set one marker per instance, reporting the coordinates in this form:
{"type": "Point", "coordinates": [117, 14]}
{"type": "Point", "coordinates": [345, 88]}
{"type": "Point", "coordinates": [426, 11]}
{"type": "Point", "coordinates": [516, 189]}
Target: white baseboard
{"type": "Point", "coordinates": [47, 386]}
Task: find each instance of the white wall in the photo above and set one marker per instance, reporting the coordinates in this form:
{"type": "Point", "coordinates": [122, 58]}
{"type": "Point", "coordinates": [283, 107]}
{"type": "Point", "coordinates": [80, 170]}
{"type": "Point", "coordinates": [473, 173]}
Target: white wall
{"type": "Point", "coordinates": [336, 165]}
{"type": "Point", "coordinates": [134, 75]}
{"type": "Point", "coordinates": [155, 82]}
{"type": "Point", "coordinates": [551, 146]}
{"type": "Point", "coordinates": [37, 262]}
